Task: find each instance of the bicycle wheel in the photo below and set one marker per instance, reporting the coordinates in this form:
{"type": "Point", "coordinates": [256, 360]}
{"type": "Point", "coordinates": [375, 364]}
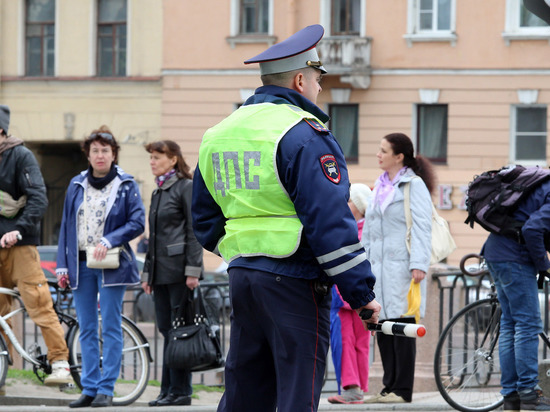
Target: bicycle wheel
{"type": "Point", "coordinates": [466, 363]}
{"type": "Point", "coordinates": [134, 368]}
{"type": "Point", "coordinates": [4, 361]}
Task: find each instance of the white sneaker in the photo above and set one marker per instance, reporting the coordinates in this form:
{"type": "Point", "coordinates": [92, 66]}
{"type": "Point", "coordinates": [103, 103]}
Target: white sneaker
{"type": "Point", "coordinates": [61, 374]}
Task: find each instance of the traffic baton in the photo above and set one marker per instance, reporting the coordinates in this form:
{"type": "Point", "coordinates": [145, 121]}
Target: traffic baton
{"type": "Point", "coordinates": [410, 330]}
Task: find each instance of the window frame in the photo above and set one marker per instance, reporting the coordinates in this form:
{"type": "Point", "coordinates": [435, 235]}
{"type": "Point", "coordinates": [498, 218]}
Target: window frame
{"type": "Point", "coordinates": [355, 138]}
{"type": "Point", "coordinates": [349, 19]}
{"type": "Point", "coordinates": [513, 30]}
{"type": "Point", "coordinates": [117, 60]}
{"type": "Point", "coordinates": [513, 135]}
{"type": "Point", "coordinates": [325, 19]}
{"type": "Point", "coordinates": [417, 132]}
{"type": "Point", "coordinates": [236, 37]}
{"type": "Point", "coordinates": [44, 53]}
{"type": "Point", "coordinates": [414, 34]}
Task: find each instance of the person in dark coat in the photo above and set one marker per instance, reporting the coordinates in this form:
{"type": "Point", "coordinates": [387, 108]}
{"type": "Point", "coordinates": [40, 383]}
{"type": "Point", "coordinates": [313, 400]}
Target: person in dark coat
{"type": "Point", "coordinates": [173, 264]}
{"type": "Point", "coordinates": [270, 196]}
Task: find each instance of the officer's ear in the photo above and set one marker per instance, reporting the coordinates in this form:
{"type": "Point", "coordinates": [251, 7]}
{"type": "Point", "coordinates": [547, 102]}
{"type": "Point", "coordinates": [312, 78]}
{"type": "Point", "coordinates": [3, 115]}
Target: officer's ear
{"type": "Point", "coordinates": [298, 82]}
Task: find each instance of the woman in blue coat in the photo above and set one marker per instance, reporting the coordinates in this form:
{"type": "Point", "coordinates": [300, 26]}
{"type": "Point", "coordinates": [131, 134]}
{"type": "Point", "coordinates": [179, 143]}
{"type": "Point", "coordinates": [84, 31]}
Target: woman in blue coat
{"type": "Point", "coordinates": [103, 209]}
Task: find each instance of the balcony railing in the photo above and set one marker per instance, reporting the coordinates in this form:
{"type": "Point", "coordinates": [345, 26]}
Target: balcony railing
{"type": "Point", "coordinates": [348, 56]}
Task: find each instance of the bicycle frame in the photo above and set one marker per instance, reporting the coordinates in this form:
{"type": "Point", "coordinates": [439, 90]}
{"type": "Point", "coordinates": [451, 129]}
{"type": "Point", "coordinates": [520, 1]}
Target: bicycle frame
{"type": "Point", "coordinates": [9, 332]}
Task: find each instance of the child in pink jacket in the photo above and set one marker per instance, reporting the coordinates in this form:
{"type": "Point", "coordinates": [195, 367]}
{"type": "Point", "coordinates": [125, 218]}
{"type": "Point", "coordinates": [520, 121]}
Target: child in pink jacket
{"type": "Point", "coordinates": [349, 339]}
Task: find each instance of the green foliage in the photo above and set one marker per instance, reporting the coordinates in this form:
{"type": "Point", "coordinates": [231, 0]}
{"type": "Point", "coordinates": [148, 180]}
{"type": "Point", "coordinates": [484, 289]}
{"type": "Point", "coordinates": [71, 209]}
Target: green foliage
{"type": "Point", "coordinates": [23, 375]}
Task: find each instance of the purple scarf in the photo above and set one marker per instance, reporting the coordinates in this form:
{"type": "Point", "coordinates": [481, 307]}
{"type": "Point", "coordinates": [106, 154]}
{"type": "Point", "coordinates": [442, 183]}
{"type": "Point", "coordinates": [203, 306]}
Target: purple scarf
{"type": "Point", "coordinates": [163, 178]}
{"type": "Point", "coordinates": [384, 189]}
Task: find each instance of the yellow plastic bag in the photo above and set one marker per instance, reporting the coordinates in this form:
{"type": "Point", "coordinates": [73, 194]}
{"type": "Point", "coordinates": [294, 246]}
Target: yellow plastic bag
{"type": "Point", "coordinates": [414, 299]}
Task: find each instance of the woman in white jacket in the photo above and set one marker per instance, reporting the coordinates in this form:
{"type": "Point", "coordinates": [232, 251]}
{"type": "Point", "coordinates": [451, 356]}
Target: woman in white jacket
{"type": "Point", "coordinates": [384, 239]}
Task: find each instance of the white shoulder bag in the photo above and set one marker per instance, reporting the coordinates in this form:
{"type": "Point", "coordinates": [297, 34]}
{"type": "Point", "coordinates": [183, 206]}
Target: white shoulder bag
{"type": "Point", "coordinates": [443, 243]}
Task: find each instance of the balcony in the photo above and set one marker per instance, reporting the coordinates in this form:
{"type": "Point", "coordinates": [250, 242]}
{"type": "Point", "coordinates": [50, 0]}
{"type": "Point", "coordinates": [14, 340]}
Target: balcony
{"type": "Point", "coordinates": [348, 57]}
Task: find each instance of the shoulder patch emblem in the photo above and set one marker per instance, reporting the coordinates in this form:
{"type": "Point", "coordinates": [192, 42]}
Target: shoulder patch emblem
{"type": "Point", "coordinates": [317, 125]}
{"type": "Point", "coordinates": [330, 168]}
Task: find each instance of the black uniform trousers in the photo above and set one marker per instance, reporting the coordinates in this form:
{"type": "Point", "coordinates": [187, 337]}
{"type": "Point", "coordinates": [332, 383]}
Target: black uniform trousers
{"type": "Point", "coordinates": [398, 355]}
{"type": "Point", "coordinates": [278, 346]}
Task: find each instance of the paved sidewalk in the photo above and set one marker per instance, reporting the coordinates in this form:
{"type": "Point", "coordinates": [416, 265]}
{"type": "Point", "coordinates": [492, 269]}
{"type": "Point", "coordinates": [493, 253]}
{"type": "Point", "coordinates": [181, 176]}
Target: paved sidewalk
{"type": "Point", "coordinates": [24, 396]}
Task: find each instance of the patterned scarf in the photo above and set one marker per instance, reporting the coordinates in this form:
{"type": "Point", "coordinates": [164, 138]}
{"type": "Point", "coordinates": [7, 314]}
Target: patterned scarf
{"type": "Point", "coordinates": [161, 179]}
{"type": "Point", "coordinates": [384, 189]}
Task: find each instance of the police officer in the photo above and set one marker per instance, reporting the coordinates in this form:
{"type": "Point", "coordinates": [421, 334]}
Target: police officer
{"type": "Point", "coordinates": [270, 195]}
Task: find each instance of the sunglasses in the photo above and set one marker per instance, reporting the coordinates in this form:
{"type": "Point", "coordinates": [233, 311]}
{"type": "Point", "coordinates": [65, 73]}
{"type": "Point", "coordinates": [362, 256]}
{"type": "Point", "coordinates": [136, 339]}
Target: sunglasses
{"type": "Point", "coordinates": [106, 136]}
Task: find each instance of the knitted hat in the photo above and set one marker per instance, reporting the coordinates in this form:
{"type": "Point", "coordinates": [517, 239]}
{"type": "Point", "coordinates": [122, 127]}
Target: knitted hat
{"type": "Point", "coordinates": [4, 118]}
{"type": "Point", "coordinates": [360, 195]}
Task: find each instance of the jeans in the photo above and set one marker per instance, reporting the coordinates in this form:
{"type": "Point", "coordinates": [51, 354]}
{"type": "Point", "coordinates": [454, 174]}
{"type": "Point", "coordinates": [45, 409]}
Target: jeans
{"type": "Point", "coordinates": [520, 325]}
{"type": "Point", "coordinates": [20, 266]}
{"type": "Point", "coordinates": [96, 379]}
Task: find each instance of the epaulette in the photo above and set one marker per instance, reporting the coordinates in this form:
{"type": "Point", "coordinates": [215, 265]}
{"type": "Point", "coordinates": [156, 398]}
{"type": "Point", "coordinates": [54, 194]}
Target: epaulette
{"type": "Point", "coordinates": [317, 125]}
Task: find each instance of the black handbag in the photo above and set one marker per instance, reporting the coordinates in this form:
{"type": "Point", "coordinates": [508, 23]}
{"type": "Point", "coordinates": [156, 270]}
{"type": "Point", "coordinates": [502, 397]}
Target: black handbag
{"type": "Point", "coordinates": [193, 343]}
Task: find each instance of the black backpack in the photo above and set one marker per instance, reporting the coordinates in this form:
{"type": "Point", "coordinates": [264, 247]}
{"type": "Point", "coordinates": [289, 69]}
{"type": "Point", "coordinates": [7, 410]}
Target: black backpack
{"type": "Point", "coordinates": [494, 196]}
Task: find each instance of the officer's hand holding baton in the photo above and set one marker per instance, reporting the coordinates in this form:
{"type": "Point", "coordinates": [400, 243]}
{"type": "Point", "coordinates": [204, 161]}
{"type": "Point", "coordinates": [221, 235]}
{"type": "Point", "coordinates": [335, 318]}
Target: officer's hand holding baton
{"type": "Point", "coordinates": [373, 308]}
{"type": "Point", "coordinates": [410, 330]}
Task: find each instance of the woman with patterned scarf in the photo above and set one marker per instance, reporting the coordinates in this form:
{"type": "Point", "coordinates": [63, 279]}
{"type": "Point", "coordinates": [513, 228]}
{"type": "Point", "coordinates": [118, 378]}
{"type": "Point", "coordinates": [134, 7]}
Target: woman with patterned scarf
{"type": "Point", "coordinates": [173, 264]}
{"type": "Point", "coordinates": [103, 210]}
{"type": "Point", "coordinates": [384, 238]}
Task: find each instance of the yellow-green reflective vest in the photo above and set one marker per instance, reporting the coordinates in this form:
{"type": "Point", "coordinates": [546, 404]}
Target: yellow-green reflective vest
{"type": "Point", "coordinates": [237, 160]}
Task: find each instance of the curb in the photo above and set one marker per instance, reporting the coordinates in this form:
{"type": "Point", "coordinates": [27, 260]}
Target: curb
{"type": "Point", "coordinates": [7, 403]}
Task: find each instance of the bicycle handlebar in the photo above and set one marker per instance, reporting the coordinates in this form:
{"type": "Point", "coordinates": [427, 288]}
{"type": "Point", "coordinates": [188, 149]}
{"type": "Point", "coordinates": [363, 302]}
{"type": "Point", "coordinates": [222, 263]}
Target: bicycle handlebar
{"type": "Point", "coordinates": [482, 269]}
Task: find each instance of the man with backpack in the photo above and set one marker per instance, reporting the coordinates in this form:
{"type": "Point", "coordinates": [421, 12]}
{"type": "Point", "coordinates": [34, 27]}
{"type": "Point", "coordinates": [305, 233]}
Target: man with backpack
{"type": "Point", "coordinates": [514, 262]}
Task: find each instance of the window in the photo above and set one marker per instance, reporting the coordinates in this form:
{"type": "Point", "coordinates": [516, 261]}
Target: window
{"type": "Point", "coordinates": [344, 124]}
{"type": "Point", "coordinates": [521, 24]}
{"type": "Point", "coordinates": [528, 19]}
{"type": "Point", "coordinates": [39, 37]}
{"type": "Point", "coordinates": [346, 17]}
{"type": "Point", "coordinates": [432, 131]}
{"type": "Point", "coordinates": [529, 134]}
{"type": "Point", "coordinates": [111, 38]}
{"type": "Point", "coordinates": [254, 16]}
{"type": "Point", "coordinates": [431, 20]}
{"type": "Point", "coordinates": [434, 15]}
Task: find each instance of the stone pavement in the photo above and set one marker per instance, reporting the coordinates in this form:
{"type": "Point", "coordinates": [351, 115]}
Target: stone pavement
{"type": "Point", "coordinates": [24, 396]}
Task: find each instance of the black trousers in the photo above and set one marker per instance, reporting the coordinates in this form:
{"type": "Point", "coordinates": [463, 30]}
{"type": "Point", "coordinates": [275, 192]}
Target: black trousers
{"type": "Point", "coordinates": [167, 299]}
{"type": "Point", "coordinates": [398, 355]}
{"type": "Point", "coordinates": [279, 342]}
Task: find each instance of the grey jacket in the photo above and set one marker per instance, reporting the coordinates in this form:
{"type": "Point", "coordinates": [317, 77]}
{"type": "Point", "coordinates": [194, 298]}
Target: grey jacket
{"type": "Point", "coordinates": [384, 241]}
{"type": "Point", "coordinates": [174, 252]}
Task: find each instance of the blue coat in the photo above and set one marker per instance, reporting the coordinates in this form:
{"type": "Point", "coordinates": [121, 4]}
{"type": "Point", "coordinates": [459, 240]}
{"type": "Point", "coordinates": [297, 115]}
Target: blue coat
{"type": "Point", "coordinates": [125, 221]}
{"type": "Point", "coordinates": [535, 212]}
{"type": "Point", "coordinates": [329, 248]}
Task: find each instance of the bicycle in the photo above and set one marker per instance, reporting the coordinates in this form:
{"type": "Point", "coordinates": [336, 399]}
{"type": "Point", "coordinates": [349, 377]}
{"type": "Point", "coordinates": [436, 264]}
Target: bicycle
{"type": "Point", "coordinates": [466, 360]}
{"type": "Point", "coordinates": [136, 356]}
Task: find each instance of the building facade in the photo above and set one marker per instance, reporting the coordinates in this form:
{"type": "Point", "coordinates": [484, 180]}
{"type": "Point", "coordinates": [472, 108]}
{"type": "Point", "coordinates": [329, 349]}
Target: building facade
{"type": "Point", "coordinates": [468, 81]}
{"type": "Point", "coordinates": [68, 67]}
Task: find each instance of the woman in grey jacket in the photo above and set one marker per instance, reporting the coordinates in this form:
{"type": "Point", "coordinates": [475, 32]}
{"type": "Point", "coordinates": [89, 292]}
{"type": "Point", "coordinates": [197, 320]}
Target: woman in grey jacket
{"type": "Point", "coordinates": [173, 264]}
{"type": "Point", "coordinates": [384, 240]}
